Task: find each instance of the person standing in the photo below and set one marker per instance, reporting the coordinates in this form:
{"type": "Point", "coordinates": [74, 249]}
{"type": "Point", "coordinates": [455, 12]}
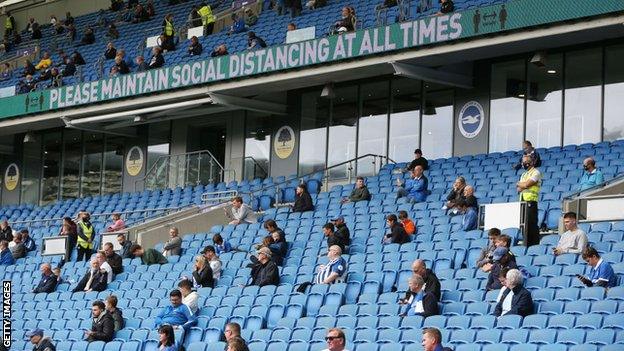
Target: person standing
{"type": "Point", "coordinates": [529, 187]}
{"type": "Point", "coordinates": [86, 234]}
{"type": "Point", "coordinates": [173, 247]}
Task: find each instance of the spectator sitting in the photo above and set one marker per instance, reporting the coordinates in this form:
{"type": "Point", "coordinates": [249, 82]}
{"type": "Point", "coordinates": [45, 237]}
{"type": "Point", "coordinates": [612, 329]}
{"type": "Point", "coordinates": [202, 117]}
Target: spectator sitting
{"type": "Point", "coordinates": [149, 9]}
{"type": "Point", "coordinates": [111, 308]}
{"type": "Point", "coordinates": [592, 176]}
{"type": "Point", "coordinates": [157, 59]}
{"type": "Point", "coordinates": [140, 14]}
{"type": "Point", "coordinates": [215, 263]}
{"type": "Point", "coordinates": [265, 271]}
{"type": "Point", "coordinates": [166, 338]}
{"type": "Point", "coordinates": [17, 247]}
{"type": "Point", "coordinates": [141, 65]}
{"type": "Point", "coordinates": [420, 302]}
{"type": "Point", "coordinates": [148, 256]}
{"type": "Point", "coordinates": [48, 281]}
{"type": "Point", "coordinates": [232, 333]}
{"type": "Point", "coordinates": [486, 252]}
{"type": "Point", "coordinates": [408, 224]}
{"type": "Point", "coordinates": [303, 200]}
{"type": "Point", "coordinates": [173, 247]}
{"type": "Point", "coordinates": [222, 246]}
{"type": "Point", "coordinates": [177, 314]}
{"type": "Point", "coordinates": [189, 296]}
{"type": "Point", "coordinates": [446, 6]}
{"type": "Point", "coordinates": [255, 42]}
{"type": "Point", "coordinates": [502, 279]}
{"type": "Point", "coordinates": [28, 242]}
{"type": "Point", "coordinates": [470, 220]}
{"type": "Point", "coordinates": [28, 84]}
{"type": "Point", "coordinates": [88, 37]}
{"type": "Point", "coordinates": [359, 193]}
{"type": "Point", "coordinates": [250, 17]}
{"type": "Point", "coordinates": [238, 25]}
{"type": "Point", "coordinates": [41, 343]}
{"type": "Point", "coordinates": [277, 242]}
{"type": "Point", "coordinates": [501, 258]}
{"type": "Point", "coordinates": [6, 233]}
{"type": "Point", "coordinates": [94, 280]}
{"type": "Point", "coordinates": [335, 270]}
{"type": "Point", "coordinates": [345, 24]}
{"type": "Point", "coordinates": [118, 223]}
{"type": "Point", "coordinates": [29, 69]}
{"type": "Point", "coordinates": [113, 259]}
{"type": "Point", "coordinates": [105, 266]}
{"type": "Point", "coordinates": [315, 4]}
{"type": "Point", "coordinates": [112, 32]}
{"type": "Point", "coordinates": [110, 51]}
{"type": "Point", "coordinates": [471, 200]}
{"type": "Point", "coordinates": [573, 240]}
{"type": "Point", "coordinates": [116, 5]}
{"type": "Point", "coordinates": [220, 50]}
{"type": "Point", "coordinates": [6, 71]}
{"type": "Point", "coordinates": [202, 274]}
{"type": "Point", "coordinates": [6, 258]}
{"type": "Point", "coordinates": [78, 59]}
{"type": "Point", "coordinates": [29, 25]}
{"type": "Point", "coordinates": [342, 232]}
{"type": "Point", "coordinates": [59, 279]}
{"type": "Point", "coordinates": [69, 69]}
{"type": "Point", "coordinates": [456, 194]}
{"type": "Point", "coordinates": [240, 213]}
{"type": "Point", "coordinates": [601, 272]}
{"type": "Point", "coordinates": [45, 62]}
{"type": "Point", "coordinates": [397, 234]}
{"type": "Point", "coordinates": [432, 284]}
{"type": "Point", "coordinates": [195, 48]}
{"type": "Point", "coordinates": [103, 327]}
{"type": "Point", "coordinates": [415, 189]}
{"type": "Point", "coordinates": [432, 340]}
{"type": "Point", "coordinates": [516, 299]}
{"type": "Point", "coordinates": [125, 246]}
{"type": "Point", "coordinates": [504, 241]}
{"type": "Point", "coordinates": [194, 17]}
{"type": "Point", "coordinates": [290, 27]}
{"type": "Point", "coordinates": [528, 150]}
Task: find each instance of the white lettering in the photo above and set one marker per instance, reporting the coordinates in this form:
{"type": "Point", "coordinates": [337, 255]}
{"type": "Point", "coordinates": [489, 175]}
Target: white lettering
{"type": "Point", "coordinates": [249, 63]}
{"type": "Point", "coordinates": [220, 75]}
{"type": "Point", "coordinates": [323, 47]}
{"type": "Point", "coordinates": [269, 64]}
{"type": "Point", "coordinates": [376, 46]}
{"type": "Point", "coordinates": [310, 52]}
{"type": "Point", "coordinates": [234, 61]}
{"type": "Point", "coordinates": [292, 61]}
{"type": "Point", "coordinates": [442, 28]}
{"type": "Point", "coordinates": [427, 31]}
{"type": "Point", "coordinates": [405, 26]}
{"type": "Point", "coordinates": [388, 44]}
{"type": "Point", "coordinates": [197, 70]}
{"type": "Point", "coordinates": [366, 47]}
{"type": "Point", "coordinates": [349, 37]}
{"type": "Point", "coordinates": [339, 51]}
{"type": "Point", "coordinates": [107, 88]}
{"type": "Point", "coordinates": [53, 98]}
{"type": "Point", "coordinates": [456, 26]}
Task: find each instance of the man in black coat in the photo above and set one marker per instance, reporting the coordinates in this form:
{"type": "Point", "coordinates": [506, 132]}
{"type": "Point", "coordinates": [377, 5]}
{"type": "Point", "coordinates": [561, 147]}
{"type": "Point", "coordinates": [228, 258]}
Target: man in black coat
{"type": "Point", "coordinates": [419, 160]}
{"type": "Point", "coordinates": [6, 233]}
{"type": "Point", "coordinates": [47, 284]}
{"type": "Point", "coordinates": [103, 327]}
{"type": "Point", "coordinates": [432, 284]}
{"type": "Point", "coordinates": [113, 259]}
{"type": "Point", "coordinates": [520, 302]}
{"type": "Point", "coordinates": [94, 280]}
{"type": "Point", "coordinates": [125, 246]}
{"type": "Point", "coordinates": [332, 239]}
{"type": "Point", "coordinates": [397, 233]}
{"type": "Point", "coordinates": [265, 272]}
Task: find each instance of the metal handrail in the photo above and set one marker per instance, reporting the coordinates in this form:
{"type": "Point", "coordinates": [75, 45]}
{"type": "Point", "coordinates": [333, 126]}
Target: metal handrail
{"type": "Point", "coordinates": [599, 186]}
{"type": "Point", "coordinates": [256, 163]}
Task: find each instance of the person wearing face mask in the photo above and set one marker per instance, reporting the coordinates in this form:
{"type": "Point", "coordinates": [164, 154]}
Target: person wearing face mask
{"type": "Point", "coordinates": [527, 149]}
{"type": "Point", "coordinates": [529, 187]}
{"type": "Point", "coordinates": [592, 176]}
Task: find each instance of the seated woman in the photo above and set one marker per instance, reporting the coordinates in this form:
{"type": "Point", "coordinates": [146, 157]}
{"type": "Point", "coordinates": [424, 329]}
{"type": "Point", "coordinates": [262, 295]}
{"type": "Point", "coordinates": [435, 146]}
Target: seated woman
{"type": "Point", "coordinates": [516, 299]}
{"type": "Point", "coordinates": [303, 200]}
{"type": "Point", "coordinates": [118, 223]}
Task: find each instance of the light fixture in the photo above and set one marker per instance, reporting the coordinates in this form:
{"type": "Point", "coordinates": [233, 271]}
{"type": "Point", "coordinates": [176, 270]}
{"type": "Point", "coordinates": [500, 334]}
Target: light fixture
{"type": "Point", "coordinates": [551, 71]}
{"type": "Point", "coordinates": [29, 138]}
{"type": "Point", "coordinates": [521, 95]}
{"type": "Point", "coordinates": [328, 91]}
{"type": "Point", "coordinates": [539, 59]}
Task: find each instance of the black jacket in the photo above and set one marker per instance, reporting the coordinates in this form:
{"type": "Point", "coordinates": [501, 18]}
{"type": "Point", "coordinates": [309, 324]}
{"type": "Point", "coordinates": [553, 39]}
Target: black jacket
{"type": "Point", "coordinates": [492, 282]}
{"type": "Point", "coordinates": [204, 277]}
{"type": "Point", "coordinates": [432, 285]}
{"type": "Point", "coordinates": [46, 284]}
{"type": "Point", "coordinates": [99, 282]}
{"type": "Point", "coordinates": [343, 234]}
{"type": "Point", "coordinates": [195, 49]}
{"type": "Point", "coordinates": [521, 302]}
{"type": "Point", "coordinates": [265, 274]}
{"type": "Point", "coordinates": [6, 234]}
{"type": "Point", "coordinates": [69, 70]}
{"type": "Point", "coordinates": [115, 261]}
{"type": "Point", "coordinates": [422, 162]}
{"type": "Point", "coordinates": [156, 61]}
{"type": "Point", "coordinates": [397, 234]}
{"type": "Point", "coordinates": [110, 54]}
{"type": "Point", "coordinates": [360, 194]}
{"type": "Point", "coordinates": [103, 329]}
{"type": "Point", "coordinates": [122, 67]}
{"type": "Point", "coordinates": [118, 319]}
{"type": "Point", "coordinates": [125, 250]}
{"type": "Point", "coordinates": [430, 304]}
{"type": "Point", "coordinates": [455, 195]}
{"type": "Point", "coordinates": [303, 203]}
{"type": "Point", "coordinates": [278, 251]}
{"type": "Point", "coordinates": [45, 345]}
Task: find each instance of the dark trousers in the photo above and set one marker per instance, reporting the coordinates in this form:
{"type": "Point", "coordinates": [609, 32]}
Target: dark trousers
{"type": "Point", "coordinates": [69, 248]}
{"type": "Point", "coordinates": [531, 231]}
{"type": "Point", "coordinates": [209, 28]}
{"type": "Point", "coordinates": [83, 254]}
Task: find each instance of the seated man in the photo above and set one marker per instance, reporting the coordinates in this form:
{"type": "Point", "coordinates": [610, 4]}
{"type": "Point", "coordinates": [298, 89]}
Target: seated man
{"type": "Point", "coordinates": [456, 194]}
{"type": "Point", "coordinates": [397, 234]}
{"type": "Point", "coordinates": [420, 302]}
{"type": "Point", "coordinates": [105, 266]}
{"type": "Point", "coordinates": [592, 176]}
{"type": "Point", "coordinates": [115, 312]}
{"type": "Point", "coordinates": [6, 257]}
{"type": "Point", "coordinates": [334, 271]}
{"type": "Point", "coordinates": [240, 212]}
{"type": "Point", "coordinates": [28, 242]}
{"type": "Point", "coordinates": [516, 299]}
{"type": "Point", "coordinates": [148, 256]}
{"type": "Point", "coordinates": [124, 252]}
{"type": "Point", "coordinates": [432, 340]}
{"type": "Point", "coordinates": [471, 199]}
{"type": "Point", "coordinates": [601, 273]}
{"type": "Point", "coordinates": [265, 271]}
{"type": "Point", "coordinates": [95, 279]}
{"type": "Point", "coordinates": [173, 247]}
{"type": "Point", "coordinates": [103, 327]}
{"type": "Point", "coordinates": [360, 192]}
{"type": "Point", "coordinates": [408, 224]}
{"type": "Point", "coordinates": [113, 259]}
{"type": "Point", "coordinates": [432, 284]}
{"type": "Point", "coordinates": [189, 296]}
{"type": "Point", "coordinates": [470, 220]}
{"type": "Point", "coordinates": [415, 189]}
{"type": "Point", "coordinates": [573, 240]}
{"type": "Point", "coordinates": [342, 233]}
{"type": "Point", "coordinates": [17, 247]}
{"type": "Point", "coordinates": [177, 314]}
{"type": "Point", "coordinates": [487, 251]}
{"type": "Point", "coordinates": [501, 259]}
{"type": "Point", "coordinates": [48, 281]}
{"type": "Point", "coordinates": [418, 160]}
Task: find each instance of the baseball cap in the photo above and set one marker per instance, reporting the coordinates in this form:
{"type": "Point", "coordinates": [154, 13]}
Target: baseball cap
{"type": "Point", "coordinates": [34, 332]}
{"type": "Point", "coordinates": [499, 253]}
{"type": "Point", "coordinates": [338, 218]}
{"type": "Point", "coordinates": [264, 250]}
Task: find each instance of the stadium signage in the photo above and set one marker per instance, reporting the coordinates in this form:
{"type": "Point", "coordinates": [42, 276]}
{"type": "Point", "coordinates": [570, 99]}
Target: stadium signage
{"type": "Point", "coordinates": [515, 14]}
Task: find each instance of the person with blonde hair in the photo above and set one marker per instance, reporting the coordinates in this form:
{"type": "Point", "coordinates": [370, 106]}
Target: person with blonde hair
{"type": "Point", "coordinates": [202, 273]}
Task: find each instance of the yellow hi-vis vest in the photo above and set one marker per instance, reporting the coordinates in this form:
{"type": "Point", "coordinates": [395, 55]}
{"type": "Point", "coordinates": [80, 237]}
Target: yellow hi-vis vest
{"type": "Point", "coordinates": [532, 192]}
{"type": "Point", "coordinates": [88, 232]}
{"type": "Point", "coordinates": [206, 15]}
{"type": "Point", "coordinates": [8, 24]}
{"type": "Point", "coordinates": [168, 28]}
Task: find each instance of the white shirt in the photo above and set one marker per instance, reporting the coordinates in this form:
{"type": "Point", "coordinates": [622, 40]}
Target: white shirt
{"type": "Point", "coordinates": [191, 301]}
{"type": "Point", "coordinates": [109, 272]}
{"type": "Point", "coordinates": [215, 265]}
{"type": "Point", "coordinates": [506, 307]}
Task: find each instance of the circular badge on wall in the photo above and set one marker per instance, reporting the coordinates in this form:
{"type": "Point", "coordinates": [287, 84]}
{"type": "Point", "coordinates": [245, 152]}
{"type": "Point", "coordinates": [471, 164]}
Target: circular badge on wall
{"type": "Point", "coordinates": [134, 161]}
{"type": "Point", "coordinates": [284, 143]}
{"type": "Point", "coordinates": [471, 119]}
{"type": "Point", "coordinates": [11, 177]}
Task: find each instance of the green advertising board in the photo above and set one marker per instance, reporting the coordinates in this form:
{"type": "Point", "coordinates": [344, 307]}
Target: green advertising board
{"type": "Point", "coordinates": [512, 15]}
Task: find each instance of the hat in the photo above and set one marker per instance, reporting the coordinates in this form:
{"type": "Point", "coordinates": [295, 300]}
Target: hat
{"type": "Point", "coordinates": [264, 250]}
{"type": "Point", "coordinates": [208, 248]}
{"type": "Point", "coordinates": [338, 218]}
{"type": "Point", "coordinates": [34, 332]}
{"type": "Point", "coordinates": [499, 253]}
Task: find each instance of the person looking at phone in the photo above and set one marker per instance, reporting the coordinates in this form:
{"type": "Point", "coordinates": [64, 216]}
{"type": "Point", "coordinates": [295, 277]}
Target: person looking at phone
{"type": "Point", "coordinates": [601, 272]}
{"type": "Point", "coordinates": [574, 240]}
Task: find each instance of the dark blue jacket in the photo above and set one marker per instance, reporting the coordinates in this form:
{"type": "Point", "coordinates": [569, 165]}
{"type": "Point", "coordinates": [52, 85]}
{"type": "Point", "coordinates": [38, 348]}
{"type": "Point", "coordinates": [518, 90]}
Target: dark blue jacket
{"type": "Point", "coordinates": [521, 302]}
{"type": "Point", "coordinates": [47, 284]}
{"type": "Point", "coordinates": [6, 257]}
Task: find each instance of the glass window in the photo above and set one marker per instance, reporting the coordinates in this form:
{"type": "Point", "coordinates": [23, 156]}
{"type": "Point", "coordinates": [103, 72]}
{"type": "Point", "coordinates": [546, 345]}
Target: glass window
{"type": "Point", "coordinates": [342, 130]}
{"type": "Point", "coordinates": [373, 124]}
{"type": "Point", "coordinates": [257, 146]}
{"type": "Point", "coordinates": [72, 157]}
{"type": "Point", "coordinates": [158, 142]}
{"type": "Point", "coordinates": [543, 120]}
{"type": "Point", "coordinates": [583, 94]}
{"type": "Point", "coordinates": [614, 93]}
{"type": "Point", "coordinates": [92, 164]}
{"type": "Point", "coordinates": [31, 179]}
{"type": "Point", "coordinates": [113, 164]}
{"type": "Point", "coordinates": [405, 119]}
{"type": "Point", "coordinates": [507, 106]}
{"type": "Point", "coordinates": [51, 167]}
{"type": "Point", "coordinates": [437, 122]}
{"type": "Point", "coordinates": [314, 121]}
